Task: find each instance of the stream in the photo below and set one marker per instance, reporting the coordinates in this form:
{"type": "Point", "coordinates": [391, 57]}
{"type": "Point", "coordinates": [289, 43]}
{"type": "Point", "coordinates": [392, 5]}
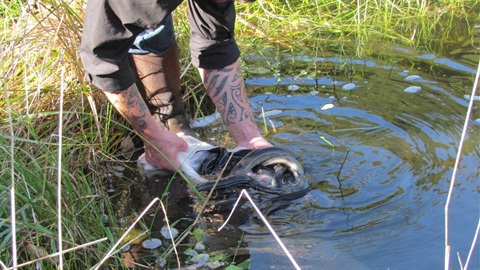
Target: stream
{"type": "Point", "coordinates": [379, 148]}
{"type": "Point", "coordinates": [378, 138]}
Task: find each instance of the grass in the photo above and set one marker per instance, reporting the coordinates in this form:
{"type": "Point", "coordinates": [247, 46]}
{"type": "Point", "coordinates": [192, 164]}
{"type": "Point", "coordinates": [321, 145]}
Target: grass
{"type": "Point", "coordinates": [39, 43]}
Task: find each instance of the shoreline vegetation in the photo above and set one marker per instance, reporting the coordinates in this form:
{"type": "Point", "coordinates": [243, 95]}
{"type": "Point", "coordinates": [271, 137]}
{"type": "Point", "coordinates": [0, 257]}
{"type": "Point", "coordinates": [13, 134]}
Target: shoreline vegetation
{"type": "Point", "coordinates": [40, 60]}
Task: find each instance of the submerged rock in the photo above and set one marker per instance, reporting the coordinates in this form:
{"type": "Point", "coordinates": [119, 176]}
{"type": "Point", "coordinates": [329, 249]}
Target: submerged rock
{"type": "Point", "coordinates": [126, 248]}
{"type": "Point", "coordinates": [152, 243]}
{"type": "Point", "coordinates": [166, 234]}
{"type": "Point", "coordinates": [348, 86]}
{"type": "Point", "coordinates": [327, 106]}
{"type": "Point", "coordinates": [404, 73]}
{"type": "Point", "coordinates": [412, 89]}
{"type": "Point", "coordinates": [293, 87]}
{"type": "Point", "coordinates": [413, 78]}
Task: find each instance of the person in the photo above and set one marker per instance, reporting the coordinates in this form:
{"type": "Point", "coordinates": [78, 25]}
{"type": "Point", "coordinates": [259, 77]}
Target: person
{"type": "Point", "coordinates": [128, 50]}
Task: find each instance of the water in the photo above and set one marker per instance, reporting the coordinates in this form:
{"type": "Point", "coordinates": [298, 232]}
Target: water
{"type": "Point", "coordinates": [380, 190]}
{"type": "Point", "coordinates": [378, 137]}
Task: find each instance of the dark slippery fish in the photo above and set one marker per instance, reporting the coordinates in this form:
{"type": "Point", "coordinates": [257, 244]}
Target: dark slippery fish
{"type": "Point", "coordinates": [267, 157]}
{"type": "Point", "coordinates": [226, 182]}
{"type": "Point", "coordinates": [243, 173]}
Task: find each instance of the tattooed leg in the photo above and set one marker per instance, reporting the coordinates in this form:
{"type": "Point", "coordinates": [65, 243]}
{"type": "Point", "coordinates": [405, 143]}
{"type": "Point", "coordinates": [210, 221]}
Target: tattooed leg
{"type": "Point", "coordinates": [226, 88]}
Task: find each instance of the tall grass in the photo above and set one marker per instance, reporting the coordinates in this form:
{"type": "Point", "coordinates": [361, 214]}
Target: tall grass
{"type": "Point", "coordinates": [39, 40]}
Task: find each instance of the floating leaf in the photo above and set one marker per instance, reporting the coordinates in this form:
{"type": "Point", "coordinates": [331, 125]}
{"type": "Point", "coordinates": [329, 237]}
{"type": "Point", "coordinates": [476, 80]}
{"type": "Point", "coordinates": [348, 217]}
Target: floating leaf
{"type": "Point", "coordinates": [135, 236]}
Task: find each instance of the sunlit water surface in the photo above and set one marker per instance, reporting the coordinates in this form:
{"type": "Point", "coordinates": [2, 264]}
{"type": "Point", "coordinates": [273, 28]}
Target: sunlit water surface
{"type": "Point", "coordinates": [378, 138]}
{"type": "Point", "coordinates": [380, 157]}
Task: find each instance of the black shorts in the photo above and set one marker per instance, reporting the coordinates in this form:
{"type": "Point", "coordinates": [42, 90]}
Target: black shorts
{"type": "Point", "coordinates": [111, 27]}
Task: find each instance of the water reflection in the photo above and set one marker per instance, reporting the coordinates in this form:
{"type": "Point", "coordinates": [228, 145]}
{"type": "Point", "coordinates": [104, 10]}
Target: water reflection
{"type": "Point", "coordinates": [379, 160]}
{"type": "Point", "coordinates": [380, 191]}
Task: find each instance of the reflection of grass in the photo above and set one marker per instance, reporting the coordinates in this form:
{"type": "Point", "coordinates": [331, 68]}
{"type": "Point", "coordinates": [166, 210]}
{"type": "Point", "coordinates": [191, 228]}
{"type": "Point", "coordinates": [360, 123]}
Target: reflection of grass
{"type": "Point", "coordinates": [301, 22]}
{"type": "Point", "coordinates": [39, 41]}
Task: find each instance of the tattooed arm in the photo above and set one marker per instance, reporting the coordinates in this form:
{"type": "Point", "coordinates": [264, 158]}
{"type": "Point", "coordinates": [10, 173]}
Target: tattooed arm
{"type": "Point", "coordinates": [161, 145]}
{"type": "Point", "coordinates": [226, 88]}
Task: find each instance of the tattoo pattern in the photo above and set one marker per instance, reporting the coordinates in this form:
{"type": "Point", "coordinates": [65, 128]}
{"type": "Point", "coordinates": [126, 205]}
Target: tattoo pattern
{"type": "Point", "coordinates": [227, 90]}
{"type": "Point", "coordinates": [132, 100]}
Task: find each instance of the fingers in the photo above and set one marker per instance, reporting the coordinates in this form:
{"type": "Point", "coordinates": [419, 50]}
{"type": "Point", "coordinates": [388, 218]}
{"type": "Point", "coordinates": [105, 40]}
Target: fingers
{"type": "Point", "coordinates": [162, 152]}
{"type": "Point", "coordinates": [259, 143]}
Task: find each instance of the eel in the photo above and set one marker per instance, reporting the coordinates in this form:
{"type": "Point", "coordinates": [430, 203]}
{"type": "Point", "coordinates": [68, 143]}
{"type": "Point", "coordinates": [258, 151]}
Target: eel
{"type": "Point", "coordinates": [243, 174]}
{"type": "Point", "coordinates": [267, 157]}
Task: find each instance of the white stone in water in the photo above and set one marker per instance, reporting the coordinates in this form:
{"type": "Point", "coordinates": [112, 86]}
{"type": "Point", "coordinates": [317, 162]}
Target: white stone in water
{"type": "Point", "coordinates": [152, 243]}
{"type": "Point", "coordinates": [327, 106]}
{"type": "Point", "coordinates": [331, 97]}
{"type": "Point", "coordinates": [289, 96]}
{"type": "Point", "coordinates": [404, 73]}
{"type": "Point", "coordinates": [413, 78]}
{"type": "Point", "coordinates": [293, 87]}
{"type": "Point", "coordinates": [476, 121]}
{"type": "Point", "coordinates": [348, 86]}
{"type": "Point", "coordinates": [314, 92]}
{"type": "Point", "coordinates": [412, 89]}
{"type": "Point", "coordinates": [166, 234]}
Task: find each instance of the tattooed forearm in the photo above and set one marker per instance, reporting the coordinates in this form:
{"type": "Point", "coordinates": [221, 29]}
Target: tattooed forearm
{"type": "Point", "coordinates": [131, 105]}
{"type": "Point", "coordinates": [227, 90]}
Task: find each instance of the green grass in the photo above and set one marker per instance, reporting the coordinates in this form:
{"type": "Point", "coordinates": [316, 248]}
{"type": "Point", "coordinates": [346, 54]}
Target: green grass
{"type": "Point", "coordinates": [39, 43]}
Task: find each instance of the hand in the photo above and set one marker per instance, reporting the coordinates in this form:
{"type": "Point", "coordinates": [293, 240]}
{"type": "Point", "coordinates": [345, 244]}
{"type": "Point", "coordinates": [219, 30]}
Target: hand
{"type": "Point", "coordinates": [157, 139]}
{"type": "Point", "coordinates": [162, 150]}
{"type": "Point", "coordinates": [257, 143]}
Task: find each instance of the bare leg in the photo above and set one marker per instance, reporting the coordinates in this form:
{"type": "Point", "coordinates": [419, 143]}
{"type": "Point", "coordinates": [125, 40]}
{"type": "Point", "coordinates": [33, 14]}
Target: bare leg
{"type": "Point", "coordinates": [226, 88]}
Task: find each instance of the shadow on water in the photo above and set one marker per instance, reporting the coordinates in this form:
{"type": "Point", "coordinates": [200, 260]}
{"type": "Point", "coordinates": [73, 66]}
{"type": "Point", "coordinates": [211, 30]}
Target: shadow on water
{"type": "Point", "coordinates": [378, 138]}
